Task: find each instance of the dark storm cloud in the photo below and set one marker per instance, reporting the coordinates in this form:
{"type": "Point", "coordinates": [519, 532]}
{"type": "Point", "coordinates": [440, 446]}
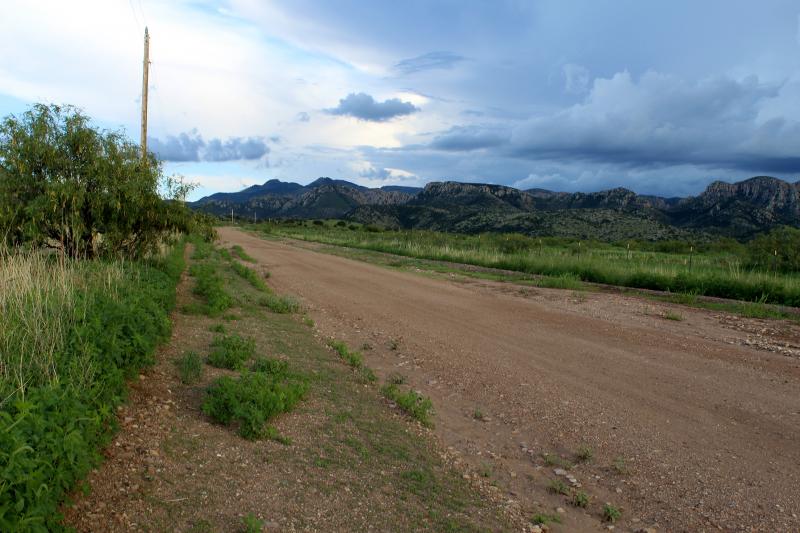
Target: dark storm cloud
{"type": "Point", "coordinates": [190, 146]}
{"type": "Point", "coordinates": [429, 61]}
{"type": "Point", "coordinates": [466, 138]}
{"type": "Point", "coordinates": [364, 107]}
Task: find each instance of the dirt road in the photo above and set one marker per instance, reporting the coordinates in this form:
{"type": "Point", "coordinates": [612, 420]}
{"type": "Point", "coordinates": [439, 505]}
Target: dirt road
{"type": "Point", "coordinates": [689, 429]}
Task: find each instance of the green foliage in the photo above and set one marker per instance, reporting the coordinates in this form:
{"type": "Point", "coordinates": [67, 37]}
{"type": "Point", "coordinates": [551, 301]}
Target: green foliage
{"type": "Point", "coordinates": [580, 499]}
{"type": "Point", "coordinates": [544, 518]}
{"type": "Point", "coordinates": [584, 454]}
{"type": "Point", "coordinates": [352, 358]}
{"type": "Point", "coordinates": [231, 351]}
{"type": "Point", "coordinates": [190, 367]}
{"type": "Point", "coordinates": [50, 430]}
{"type": "Point", "coordinates": [217, 328]}
{"type": "Point", "coordinates": [252, 524]}
{"type": "Point", "coordinates": [251, 401]}
{"type": "Point", "coordinates": [66, 184]}
{"type": "Point", "coordinates": [274, 367]}
{"type": "Point", "coordinates": [250, 275]}
{"type": "Point", "coordinates": [239, 252]}
{"type": "Point", "coordinates": [412, 402]}
{"type": "Point", "coordinates": [778, 250]}
{"type": "Point", "coordinates": [557, 486]}
{"type": "Point", "coordinates": [611, 513]}
{"type": "Point", "coordinates": [210, 286]}
{"type": "Point", "coordinates": [279, 304]}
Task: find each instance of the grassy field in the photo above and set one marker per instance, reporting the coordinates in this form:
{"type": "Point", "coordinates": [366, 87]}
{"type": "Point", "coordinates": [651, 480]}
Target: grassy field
{"type": "Point", "coordinates": [72, 332]}
{"type": "Point", "coordinates": [708, 273]}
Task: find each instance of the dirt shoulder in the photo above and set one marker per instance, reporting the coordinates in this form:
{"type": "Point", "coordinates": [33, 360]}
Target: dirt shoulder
{"type": "Point", "coordinates": [353, 461]}
{"type": "Point", "coordinates": [692, 425]}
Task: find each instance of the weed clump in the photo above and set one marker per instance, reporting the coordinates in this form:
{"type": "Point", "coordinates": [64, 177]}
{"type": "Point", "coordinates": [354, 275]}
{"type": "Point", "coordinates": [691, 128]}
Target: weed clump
{"type": "Point", "coordinates": [239, 252]}
{"type": "Point", "coordinates": [611, 513]}
{"type": "Point", "coordinates": [209, 285]}
{"type": "Point", "coordinates": [251, 401]}
{"type": "Point", "coordinates": [231, 351]}
{"type": "Point", "coordinates": [413, 403]}
{"type": "Point", "coordinates": [279, 304]}
{"type": "Point", "coordinates": [190, 368]}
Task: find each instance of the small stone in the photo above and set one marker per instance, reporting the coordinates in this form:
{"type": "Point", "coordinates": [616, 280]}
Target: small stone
{"type": "Point", "coordinates": [560, 510]}
{"type": "Point", "coordinates": [560, 472]}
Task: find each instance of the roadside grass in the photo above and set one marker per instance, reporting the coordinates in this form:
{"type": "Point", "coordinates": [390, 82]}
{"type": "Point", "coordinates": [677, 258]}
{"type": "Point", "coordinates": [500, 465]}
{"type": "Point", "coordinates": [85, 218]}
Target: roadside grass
{"type": "Point", "coordinates": [673, 315]}
{"type": "Point", "coordinates": [556, 486]}
{"type": "Point", "coordinates": [584, 454]}
{"type": "Point", "coordinates": [353, 359]}
{"type": "Point", "coordinates": [711, 273]}
{"type": "Point", "coordinates": [411, 402]}
{"type": "Point", "coordinates": [551, 459]}
{"type": "Point", "coordinates": [231, 351]}
{"type": "Point", "coordinates": [209, 285]}
{"type": "Point", "coordinates": [190, 367]}
{"type": "Point", "coordinates": [279, 304]}
{"type": "Point", "coordinates": [239, 252]}
{"type": "Point", "coordinates": [72, 332]}
{"type": "Point", "coordinates": [251, 401]}
{"type": "Point", "coordinates": [342, 435]}
{"type": "Point", "coordinates": [611, 513]}
{"type": "Point", "coordinates": [545, 518]}
{"type": "Point", "coordinates": [250, 275]}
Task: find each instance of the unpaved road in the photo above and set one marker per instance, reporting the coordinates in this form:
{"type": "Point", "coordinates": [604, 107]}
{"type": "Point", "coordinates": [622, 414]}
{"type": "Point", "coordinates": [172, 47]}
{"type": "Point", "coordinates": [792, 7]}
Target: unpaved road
{"type": "Point", "coordinates": [708, 429]}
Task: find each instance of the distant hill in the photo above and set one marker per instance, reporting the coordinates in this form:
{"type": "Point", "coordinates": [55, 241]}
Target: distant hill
{"type": "Point", "coordinates": [738, 210]}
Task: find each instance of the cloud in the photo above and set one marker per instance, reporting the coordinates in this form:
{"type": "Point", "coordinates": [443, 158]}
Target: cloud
{"type": "Point", "coordinates": [302, 116]}
{"type": "Point", "coordinates": [429, 61]}
{"type": "Point", "coordinates": [190, 146]}
{"type": "Point", "coordinates": [662, 120]}
{"type": "Point", "coordinates": [576, 78]}
{"type": "Point", "coordinates": [466, 138]}
{"type": "Point", "coordinates": [364, 107]}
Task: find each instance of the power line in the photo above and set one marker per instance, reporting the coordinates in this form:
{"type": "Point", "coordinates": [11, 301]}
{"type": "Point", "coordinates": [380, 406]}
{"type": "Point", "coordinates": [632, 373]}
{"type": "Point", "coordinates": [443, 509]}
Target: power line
{"type": "Point", "coordinates": [135, 17]}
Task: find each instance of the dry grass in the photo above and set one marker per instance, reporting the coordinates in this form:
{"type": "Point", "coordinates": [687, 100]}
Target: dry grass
{"type": "Point", "coordinates": [37, 310]}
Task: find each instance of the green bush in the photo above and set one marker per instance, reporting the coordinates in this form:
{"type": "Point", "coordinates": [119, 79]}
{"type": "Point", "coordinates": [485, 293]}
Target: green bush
{"type": "Point", "coordinates": [251, 401]}
{"type": "Point", "coordinates": [239, 252]}
{"type": "Point", "coordinates": [778, 250]}
{"type": "Point", "coordinates": [49, 436]}
{"type": "Point", "coordinates": [231, 351]}
{"type": "Point", "coordinates": [68, 184]}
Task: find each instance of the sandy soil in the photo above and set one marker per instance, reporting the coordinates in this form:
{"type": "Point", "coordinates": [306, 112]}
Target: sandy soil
{"type": "Point", "coordinates": [701, 417]}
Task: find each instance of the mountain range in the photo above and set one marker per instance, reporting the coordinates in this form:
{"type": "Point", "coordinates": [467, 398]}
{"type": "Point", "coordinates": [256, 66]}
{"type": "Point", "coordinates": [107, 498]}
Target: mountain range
{"type": "Point", "coordinates": [738, 210]}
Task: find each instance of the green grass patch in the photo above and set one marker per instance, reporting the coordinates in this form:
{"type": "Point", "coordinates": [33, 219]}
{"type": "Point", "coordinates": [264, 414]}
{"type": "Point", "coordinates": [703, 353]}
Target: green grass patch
{"type": "Point", "coordinates": [239, 252]}
{"type": "Point", "coordinates": [210, 286]}
{"type": "Point", "coordinates": [252, 400]}
{"type": "Point", "coordinates": [190, 368]}
{"type": "Point", "coordinates": [231, 351]}
{"type": "Point", "coordinates": [279, 304]}
{"type": "Point", "coordinates": [411, 402]}
{"type": "Point", "coordinates": [250, 275]}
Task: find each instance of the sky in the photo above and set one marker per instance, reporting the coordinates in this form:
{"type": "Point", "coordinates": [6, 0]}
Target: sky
{"type": "Point", "coordinates": [659, 96]}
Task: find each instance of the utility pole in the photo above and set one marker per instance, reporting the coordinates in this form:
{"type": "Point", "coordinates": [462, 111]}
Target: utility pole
{"type": "Point", "coordinates": [145, 73]}
{"type": "Point", "coordinates": [231, 215]}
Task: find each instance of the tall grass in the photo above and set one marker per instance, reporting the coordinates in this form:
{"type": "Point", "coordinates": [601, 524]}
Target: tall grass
{"type": "Point", "coordinates": [38, 310]}
{"type": "Point", "coordinates": [72, 331]}
{"type": "Point", "coordinates": [710, 274]}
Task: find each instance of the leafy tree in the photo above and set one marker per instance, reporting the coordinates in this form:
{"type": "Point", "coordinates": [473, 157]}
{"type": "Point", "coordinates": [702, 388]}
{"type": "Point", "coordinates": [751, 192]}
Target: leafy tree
{"type": "Point", "coordinates": [68, 185]}
{"type": "Point", "coordinates": [777, 250]}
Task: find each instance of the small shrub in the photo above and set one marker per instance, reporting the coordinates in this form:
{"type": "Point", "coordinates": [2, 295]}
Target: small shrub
{"type": "Point", "coordinates": [251, 401]}
{"type": "Point", "coordinates": [619, 466]}
{"type": "Point", "coordinates": [231, 351]}
{"type": "Point", "coordinates": [580, 499]}
{"type": "Point", "coordinates": [279, 304]}
{"type": "Point", "coordinates": [551, 459]}
{"type": "Point", "coordinates": [544, 518]}
{"type": "Point", "coordinates": [252, 524]}
{"type": "Point", "coordinates": [611, 513]}
{"type": "Point", "coordinates": [217, 328]}
{"type": "Point", "coordinates": [413, 403]}
{"type": "Point", "coordinates": [672, 315]}
{"type": "Point", "coordinates": [584, 454]}
{"type": "Point", "coordinates": [190, 367]}
{"type": "Point", "coordinates": [274, 367]}
{"type": "Point", "coordinates": [308, 321]}
{"type": "Point", "coordinates": [557, 486]}
{"type": "Point", "coordinates": [396, 378]}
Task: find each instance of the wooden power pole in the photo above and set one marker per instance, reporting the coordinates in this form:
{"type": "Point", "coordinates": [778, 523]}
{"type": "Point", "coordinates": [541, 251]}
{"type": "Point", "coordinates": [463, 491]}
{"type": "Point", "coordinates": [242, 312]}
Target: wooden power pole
{"type": "Point", "coordinates": [145, 73]}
